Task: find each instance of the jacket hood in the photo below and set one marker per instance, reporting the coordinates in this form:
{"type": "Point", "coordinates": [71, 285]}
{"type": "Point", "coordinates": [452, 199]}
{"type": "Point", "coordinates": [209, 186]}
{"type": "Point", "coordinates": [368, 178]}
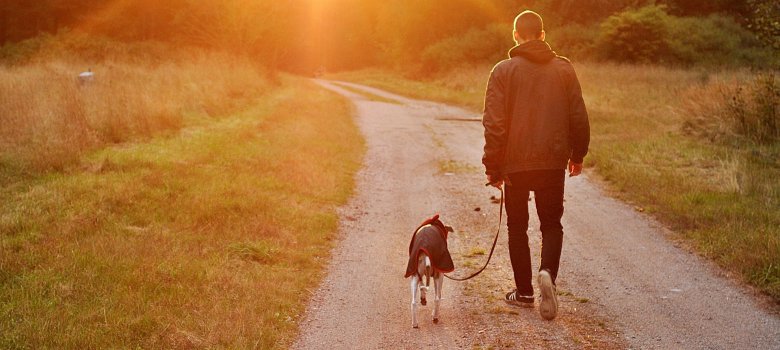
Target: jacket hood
{"type": "Point", "coordinates": [535, 50]}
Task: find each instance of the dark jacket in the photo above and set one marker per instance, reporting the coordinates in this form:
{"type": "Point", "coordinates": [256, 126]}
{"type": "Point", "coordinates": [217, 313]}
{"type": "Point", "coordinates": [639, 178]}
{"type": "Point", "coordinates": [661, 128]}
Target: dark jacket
{"type": "Point", "coordinates": [431, 238]}
{"type": "Point", "coordinates": [534, 115]}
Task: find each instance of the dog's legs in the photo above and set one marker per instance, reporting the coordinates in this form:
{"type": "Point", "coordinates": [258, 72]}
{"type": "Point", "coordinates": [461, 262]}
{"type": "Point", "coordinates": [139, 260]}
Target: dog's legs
{"type": "Point", "coordinates": [438, 280]}
{"type": "Point", "coordinates": [423, 268]}
{"type": "Point", "coordinates": [414, 301]}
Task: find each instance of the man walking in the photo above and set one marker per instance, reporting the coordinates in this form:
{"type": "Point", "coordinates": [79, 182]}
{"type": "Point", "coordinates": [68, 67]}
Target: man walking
{"type": "Point", "coordinates": [536, 126]}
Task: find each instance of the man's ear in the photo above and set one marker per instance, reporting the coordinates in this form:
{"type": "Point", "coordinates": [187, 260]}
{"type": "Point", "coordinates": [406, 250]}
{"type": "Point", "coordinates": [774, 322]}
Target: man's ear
{"type": "Point", "coordinates": [516, 36]}
{"type": "Point", "coordinates": [541, 37]}
{"type": "Point", "coordinates": [449, 228]}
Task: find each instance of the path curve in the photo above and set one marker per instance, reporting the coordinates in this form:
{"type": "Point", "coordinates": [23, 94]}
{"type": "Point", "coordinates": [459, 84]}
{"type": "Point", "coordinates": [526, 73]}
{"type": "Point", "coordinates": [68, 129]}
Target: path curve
{"type": "Point", "coordinates": [623, 282]}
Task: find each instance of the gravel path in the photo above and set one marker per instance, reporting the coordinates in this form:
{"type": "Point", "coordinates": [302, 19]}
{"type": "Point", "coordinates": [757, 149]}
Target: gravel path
{"type": "Point", "coordinates": [623, 282]}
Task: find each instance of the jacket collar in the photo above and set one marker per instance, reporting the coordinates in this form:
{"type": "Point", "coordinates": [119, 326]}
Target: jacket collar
{"type": "Point", "coordinates": [535, 50]}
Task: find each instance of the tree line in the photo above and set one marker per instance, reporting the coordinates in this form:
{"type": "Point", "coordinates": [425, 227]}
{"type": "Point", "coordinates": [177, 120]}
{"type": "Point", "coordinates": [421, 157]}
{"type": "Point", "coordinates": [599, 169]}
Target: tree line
{"type": "Point", "coordinates": [344, 34]}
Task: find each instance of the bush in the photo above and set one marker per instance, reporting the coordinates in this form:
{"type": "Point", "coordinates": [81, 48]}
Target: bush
{"type": "Point", "coordinates": [489, 44]}
{"type": "Point", "coordinates": [635, 35]}
{"type": "Point", "coordinates": [713, 40]}
{"type": "Point", "coordinates": [651, 35]}
{"type": "Point", "coordinates": [574, 40]}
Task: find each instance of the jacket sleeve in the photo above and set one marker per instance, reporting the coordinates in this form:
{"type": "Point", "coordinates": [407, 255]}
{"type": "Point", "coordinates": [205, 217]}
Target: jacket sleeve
{"type": "Point", "coordinates": [579, 126]}
{"type": "Point", "coordinates": [494, 119]}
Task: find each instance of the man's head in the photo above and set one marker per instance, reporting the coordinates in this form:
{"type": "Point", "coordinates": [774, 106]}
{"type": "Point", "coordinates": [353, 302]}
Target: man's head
{"type": "Point", "coordinates": [528, 26]}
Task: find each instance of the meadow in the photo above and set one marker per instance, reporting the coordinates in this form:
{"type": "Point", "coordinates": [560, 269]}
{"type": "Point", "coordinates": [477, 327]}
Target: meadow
{"type": "Point", "coordinates": [168, 206]}
{"type": "Point", "coordinates": [719, 194]}
{"type": "Point", "coordinates": [49, 119]}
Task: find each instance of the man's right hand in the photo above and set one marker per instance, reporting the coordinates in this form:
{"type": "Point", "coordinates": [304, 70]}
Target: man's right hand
{"type": "Point", "coordinates": [574, 168]}
{"type": "Point", "coordinates": [495, 181]}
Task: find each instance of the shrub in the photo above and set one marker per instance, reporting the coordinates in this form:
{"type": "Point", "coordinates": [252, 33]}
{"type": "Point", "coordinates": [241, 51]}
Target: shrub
{"type": "Point", "coordinates": [489, 44]}
{"type": "Point", "coordinates": [712, 40]}
{"type": "Point", "coordinates": [639, 35]}
{"type": "Point", "coordinates": [574, 40]}
{"type": "Point", "coordinates": [650, 35]}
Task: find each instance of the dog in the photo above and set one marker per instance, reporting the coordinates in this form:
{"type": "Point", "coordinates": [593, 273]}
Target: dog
{"type": "Point", "coordinates": [428, 258]}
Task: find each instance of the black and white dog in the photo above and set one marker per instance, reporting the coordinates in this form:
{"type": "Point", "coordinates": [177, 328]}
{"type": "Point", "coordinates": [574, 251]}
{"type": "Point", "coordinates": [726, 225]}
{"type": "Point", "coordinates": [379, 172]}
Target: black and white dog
{"type": "Point", "coordinates": [428, 258]}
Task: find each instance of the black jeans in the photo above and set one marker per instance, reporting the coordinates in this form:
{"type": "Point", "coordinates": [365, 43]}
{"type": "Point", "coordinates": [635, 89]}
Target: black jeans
{"type": "Point", "coordinates": [548, 192]}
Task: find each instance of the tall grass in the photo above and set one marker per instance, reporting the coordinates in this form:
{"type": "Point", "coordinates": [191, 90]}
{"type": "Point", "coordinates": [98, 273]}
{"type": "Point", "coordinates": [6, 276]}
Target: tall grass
{"type": "Point", "coordinates": [48, 119]}
{"type": "Point", "coordinates": [735, 110]}
{"type": "Point", "coordinates": [722, 197]}
{"type": "Point", "coordinates": [180, 200]}
{"type": "Point", "coordinates": [207, 238]}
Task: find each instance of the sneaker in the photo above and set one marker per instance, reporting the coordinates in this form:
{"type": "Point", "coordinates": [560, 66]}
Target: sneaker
{"type": "Point", "coordinates": [548, 305]}
{"type": "Point", "coordinates": [512, 298]}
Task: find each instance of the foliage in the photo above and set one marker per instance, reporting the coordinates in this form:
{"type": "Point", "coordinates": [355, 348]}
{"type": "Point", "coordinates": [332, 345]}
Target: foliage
{"type": "Point", "coordinates": [737, 9]}
{"type": "Point", "coordinates": [575, 41]}
{"type": "Point", "coordinates": [315, 35]}
{"type": "Point", "coordinates": [260, 29]}
{"type": "Point", "coordinates": [651, 35]}
{"type": "Point", "coordinates": [714, 40]}
{"type": "Point", "coordinates": [407, 27]}
{"type": "Point", "coordinates": [765, 21]}
{"type": "Point", "coordinates": [561, 13]}
{"type": "Point", "coordinates": [490, 44]}
{"type": "Point", "coordinates": [89, 49]}
{"type": "Point", "coordinates": [636, 35]}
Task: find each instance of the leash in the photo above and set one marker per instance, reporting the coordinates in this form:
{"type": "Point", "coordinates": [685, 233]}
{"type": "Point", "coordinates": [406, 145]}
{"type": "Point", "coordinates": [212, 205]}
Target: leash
{"type": "Point", "coordinates": [495, 240]}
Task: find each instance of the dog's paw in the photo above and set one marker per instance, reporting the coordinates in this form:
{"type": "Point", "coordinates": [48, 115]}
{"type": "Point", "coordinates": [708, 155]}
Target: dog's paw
{"type": "Point", "coordinates": [423, 301]}
{"type": "Point", "coordinates": [415, 326]}
{"type": "Point", "coordinates": [436, 320]}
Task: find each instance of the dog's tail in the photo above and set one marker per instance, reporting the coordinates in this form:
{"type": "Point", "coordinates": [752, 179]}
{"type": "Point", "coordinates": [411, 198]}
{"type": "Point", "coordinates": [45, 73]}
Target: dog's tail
{"type": "Point", "coordinates": [427, 271]}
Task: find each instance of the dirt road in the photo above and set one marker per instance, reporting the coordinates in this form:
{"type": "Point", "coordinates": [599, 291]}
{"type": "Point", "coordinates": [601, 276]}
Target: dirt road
{"type": "Point", "coordinates": [623, 282]}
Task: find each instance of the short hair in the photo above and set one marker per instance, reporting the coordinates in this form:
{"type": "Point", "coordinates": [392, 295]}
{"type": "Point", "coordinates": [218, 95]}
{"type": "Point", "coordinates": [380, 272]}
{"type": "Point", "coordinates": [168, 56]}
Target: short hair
{"type": "Point", "coordinates": [529, 25]}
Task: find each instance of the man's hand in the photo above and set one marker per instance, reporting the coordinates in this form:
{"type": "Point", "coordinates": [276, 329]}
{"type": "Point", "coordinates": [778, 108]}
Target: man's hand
{"type": "Point", "coordinates": [574, 168]}
{"type": "Point", "coordinates": [495, 181]}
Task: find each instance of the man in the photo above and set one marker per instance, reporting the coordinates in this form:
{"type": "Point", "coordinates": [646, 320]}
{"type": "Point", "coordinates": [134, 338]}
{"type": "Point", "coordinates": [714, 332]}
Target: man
{"type": "Point", "coordinates": [536, 126]}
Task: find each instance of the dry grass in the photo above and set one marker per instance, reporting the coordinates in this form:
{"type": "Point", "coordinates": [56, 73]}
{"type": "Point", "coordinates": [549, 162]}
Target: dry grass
{"type": "Point", "coordinates": [722, 197]}
{"type": "Point", "coordinates": [367, 95]}
{"type": "Point", "coordinates": [205, 238]}
{"type": "Point", "coordinates": [465, 87]}
{"type": "Point", "coordinates": [455, 167]}
{"type": "Point", "coordinates": [48, 120]}
{"type": "Point", "coordinates": [743, 110]}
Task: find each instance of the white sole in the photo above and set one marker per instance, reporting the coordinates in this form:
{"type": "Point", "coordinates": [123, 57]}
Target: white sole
{"type": "Point", "coordinates": [548, 306]}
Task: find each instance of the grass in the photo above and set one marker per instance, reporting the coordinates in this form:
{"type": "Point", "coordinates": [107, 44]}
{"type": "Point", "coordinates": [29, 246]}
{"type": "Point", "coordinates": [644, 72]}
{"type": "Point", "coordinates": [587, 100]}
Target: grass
{"type": "Point", "coordinates": [48, 119]}
{"type": "Point", "coordinates": [722, 198]}
{"type": "Point", "coordinates": [580, 300]}
{"type": "Point", "coordinates": [206, 237]}
{"type": "Point", "coordinates": [464, 87]}
{"type": "Point", "coordinates": [367, 95]}
{"type": "Point", "coordinates": [475, 251]}
{"type": "Point", "coordinates": [455, 167]}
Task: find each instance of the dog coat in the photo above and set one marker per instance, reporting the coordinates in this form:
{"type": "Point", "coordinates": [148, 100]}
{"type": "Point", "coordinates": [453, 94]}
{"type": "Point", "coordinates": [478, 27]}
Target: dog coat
{"type": "Point", "coordinates": [431, 238]}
